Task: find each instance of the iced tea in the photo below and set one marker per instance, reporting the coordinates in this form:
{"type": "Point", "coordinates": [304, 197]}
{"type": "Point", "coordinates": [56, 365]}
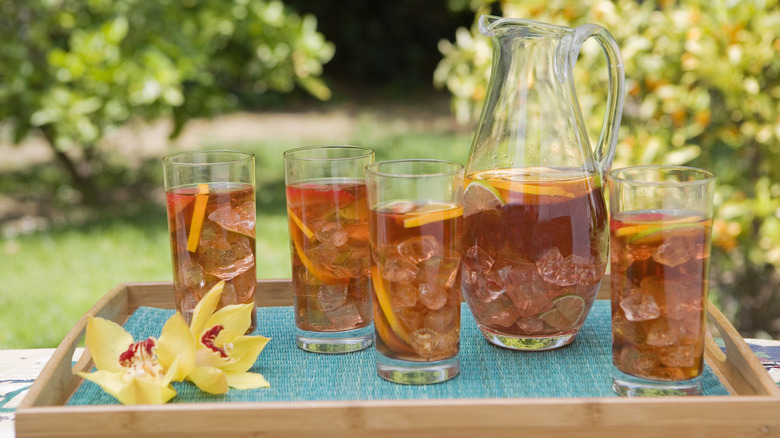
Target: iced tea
{"type": "Point", "coordinates": [416, 283]}
{"type": "Point", "coordinates": [659, 288]}
{"type": "Point", "coordinates": [328, 222]}
{"type": "Point", "coordinates": [212, 232]}
{"type": "Point", "coordinates": [535, 250]}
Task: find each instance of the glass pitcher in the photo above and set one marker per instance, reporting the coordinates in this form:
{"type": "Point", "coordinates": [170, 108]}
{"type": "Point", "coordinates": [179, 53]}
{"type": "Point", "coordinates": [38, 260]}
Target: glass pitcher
{"type": "Point", "coordinates": [535, 220]}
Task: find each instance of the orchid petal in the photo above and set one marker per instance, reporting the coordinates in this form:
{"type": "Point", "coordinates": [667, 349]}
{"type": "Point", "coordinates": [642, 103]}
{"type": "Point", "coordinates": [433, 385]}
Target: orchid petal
{"type": "Point", "coordinates": [176, 343]}
{"type": "Point", "coordinates": [205, 308]}
{"type": "Point", "coordinates": [245, 352]}
{"type": "Point", "coordinates": [246, 380]}
{"type": "Point", "coordinates": [111, 382]}
{"type": "Point", "coordinates": [209, 379]}
{"type": "Point", "coordinates": [106, 341]}
{"type": "Point", "coordinates": [235, 318]}
{"type": "Point", "coordinates": [210, 358]}
{"type": "Point", "coordinates": [146, 391]}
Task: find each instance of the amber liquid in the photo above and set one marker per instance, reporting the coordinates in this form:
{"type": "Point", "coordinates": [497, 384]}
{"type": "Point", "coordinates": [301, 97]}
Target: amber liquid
{"type": "Point", "coordinates": [548, 242]}
{"type": "Point", "coordinates": [659, 275]}
{"type": "Point", "coordinates": [225, 249]}
{"type": "Point", "coordinates": [328, 222]}
{"type": "Point", "coordinates": [416, 283]}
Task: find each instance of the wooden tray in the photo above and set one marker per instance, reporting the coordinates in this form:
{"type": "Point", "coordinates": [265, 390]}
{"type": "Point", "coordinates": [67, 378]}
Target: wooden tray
{"type": "Point", "coordinates": [752, 410]}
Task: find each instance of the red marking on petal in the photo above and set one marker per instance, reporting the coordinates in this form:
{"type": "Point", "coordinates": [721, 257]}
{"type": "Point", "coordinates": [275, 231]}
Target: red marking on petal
{"type": "Point", "coordinates": [140, 350]}
{"type": "Point", "coordinates": [208, 338]}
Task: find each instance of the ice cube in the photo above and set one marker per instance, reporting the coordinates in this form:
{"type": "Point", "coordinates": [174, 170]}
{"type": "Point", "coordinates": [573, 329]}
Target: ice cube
{"type": "Point", "coordinates": [357, 263]}
{"type": "Point", "coordinates": [500, 312]}
{"type": "Point", "coordinates": [213, 236]}
{"type": "Point", "coordinates": [324, 254]}
{"type": "Point", "coordinates": [673, 252]}
{"type": "Point", "coordinates": [331, 232]}
{"type": "Point", "coordinates": [420, 248]}
{"type": "Point", "coordinates": [332, 296]}
{"type": "Point", "coordinates": [432, 345]}
{"type": "Point", "coordinates": [448, 271]}
{"type": "Point", "coordinates": [661, 334]}
{"type": "Point", "coordinates": [640, 307]}
{"type": "Point", "coordinates": [344, 317]}
{"type": "Point", "coordinates": [245, 286]}
{"type": "Point", "coordinates": [191, 274]}
{"type": "Point", "coordinates": [477, 259]}
{"type": "Point", "coordinates": [549, 266]}
{"type": "Point", "coordinates": [229, 263]}
{"type": "Point", "coordinates": [678, 356]}
{"type": "Point", "coordinates": [567, 271]}
{"type": "Point", "coordinates": [433, 296]}
{"type": "Point", "coordinates": [443, 320]}
{"type": "Point", "coordinates": [530, 325]}
{"type": "Point", "coordinates": [636, 362]}
{"type": "Point", "coordinates": [404, 295]}
{"type": "Point", "coordinates": [240, 219]}
{"type": "Point", "coordinates": [411, 317]}
{"type": "Point", "coordinates": [187, 305]}
{"type": "Point", "coordinates": [229, 295]}
{"type": "Point", "coordinates": [399, 269]}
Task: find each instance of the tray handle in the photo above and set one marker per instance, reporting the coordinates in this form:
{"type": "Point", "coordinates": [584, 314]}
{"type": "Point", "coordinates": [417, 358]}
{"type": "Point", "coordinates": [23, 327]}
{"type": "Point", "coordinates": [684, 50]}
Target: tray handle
{"type": "Point", "coordinates": [738, 364]}
{"type": "Point", "coordinates": [57, 379]}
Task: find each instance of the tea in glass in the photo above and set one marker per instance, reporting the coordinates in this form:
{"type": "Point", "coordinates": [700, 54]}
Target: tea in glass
{"type": "Point", "coordinates": [660, 228]}
{"type": "Point", "coordinates": [328, 223]}
{"type": "Point", "coordinates": [416, 224]}
{"type": "Point", "coordinates": [210, 199]}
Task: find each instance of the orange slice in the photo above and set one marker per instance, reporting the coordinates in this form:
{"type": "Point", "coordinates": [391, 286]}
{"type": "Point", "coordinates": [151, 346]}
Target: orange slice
{"type": "Point", "coordinates": [201, 199]}
{"type": "Point", "coordinates": [384, 303]}
{"type": "Point", "coordinates": [306, 230]}
{"type": "Point", "coordinates": [322, 276]}
{"type": "Point", "coordinates": [386, 333]}
{"type": "Point", "coordinates": [432, 213]}
{"type": "Point", "coordinates": [529, 189]}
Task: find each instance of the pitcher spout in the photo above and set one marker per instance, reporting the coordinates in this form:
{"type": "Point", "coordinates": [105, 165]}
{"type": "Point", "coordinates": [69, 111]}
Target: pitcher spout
{"type": "Point", "coordinates": [492, 26]}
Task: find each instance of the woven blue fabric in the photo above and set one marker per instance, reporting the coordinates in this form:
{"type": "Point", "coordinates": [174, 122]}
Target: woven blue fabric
{"type": "Point", "coordinates": [581, 369]}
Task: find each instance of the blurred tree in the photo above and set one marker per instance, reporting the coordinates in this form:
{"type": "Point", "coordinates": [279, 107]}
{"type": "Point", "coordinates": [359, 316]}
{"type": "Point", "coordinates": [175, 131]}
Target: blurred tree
{"type": "Point", "coordinates": [74, 69]}
{"type": "Point", "coordinates": [702, 89]}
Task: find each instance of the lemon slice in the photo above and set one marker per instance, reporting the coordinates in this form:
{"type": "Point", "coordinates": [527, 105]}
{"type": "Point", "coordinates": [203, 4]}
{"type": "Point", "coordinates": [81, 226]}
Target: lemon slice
{"type": "Point", "coordinates": [201, 200]}
{"type": "Point", "coordinates": [434, 212]}
{"type": "Point", "coordinates": [567, 311]}
{"type": "Point", "coordinates": [481, 196]}
{"type": "Point", "coordinates": [384, 303]}
{"type": "Point", "coordinates": [530, 189]}
{"type": "Point", "coordinates": [641, 234]}
{"type": "Point", "coordinates": [306, 230]}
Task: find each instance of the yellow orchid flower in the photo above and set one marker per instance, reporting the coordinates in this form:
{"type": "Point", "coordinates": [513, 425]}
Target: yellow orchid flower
{"type": "Point", "coordinates": [139, 372]}
{"type": "Point", "coordinates": [223, 354]}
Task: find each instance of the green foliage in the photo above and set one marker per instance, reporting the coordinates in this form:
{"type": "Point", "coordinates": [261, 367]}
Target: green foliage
{"type": "Point", "coordinates": [75, 69]}
{"type": "Point", "coordinates": [702, 88]}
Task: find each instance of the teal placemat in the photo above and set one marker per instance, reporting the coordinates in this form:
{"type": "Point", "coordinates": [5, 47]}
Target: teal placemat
{"type": "Point", "coordinates": [581, 369]}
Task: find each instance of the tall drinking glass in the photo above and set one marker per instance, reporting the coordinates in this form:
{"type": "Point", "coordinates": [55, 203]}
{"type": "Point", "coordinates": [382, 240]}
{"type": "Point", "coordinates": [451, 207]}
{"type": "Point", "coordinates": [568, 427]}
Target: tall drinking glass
{"type": "Point", "coordinates": [661, 218]}
{"type": "Point", "coordinates": [211, 219]}
{"type": "Point", "coordinates": [416, 224]}
{"type": "Point", "coordinates": [328, 221]}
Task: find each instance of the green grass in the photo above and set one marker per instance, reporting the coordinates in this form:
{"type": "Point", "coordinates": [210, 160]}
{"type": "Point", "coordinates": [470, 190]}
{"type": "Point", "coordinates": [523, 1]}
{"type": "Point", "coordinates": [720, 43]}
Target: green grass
{"type": "Point", "coordinates": [50, 278]}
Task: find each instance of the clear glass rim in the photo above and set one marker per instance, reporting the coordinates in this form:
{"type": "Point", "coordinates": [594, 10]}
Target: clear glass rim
{"type": "Point", "coordinates": [175, 158]}
{"type": "Point", "coordinates": [455, 168]}
{"type": "Point", "coordinates": [361, 152]}
{"type": "Point", "coordinates": [702, 176]}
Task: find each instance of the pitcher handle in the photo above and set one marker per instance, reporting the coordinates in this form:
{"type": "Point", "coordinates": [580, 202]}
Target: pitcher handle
{"type": "Point", "coordinates": [614, 111]}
